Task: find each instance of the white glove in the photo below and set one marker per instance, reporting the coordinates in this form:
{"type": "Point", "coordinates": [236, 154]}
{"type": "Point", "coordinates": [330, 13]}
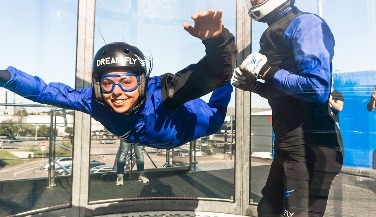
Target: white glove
{"type": "Point", "coordinates": [253, 64]}
{"type": "Point", "coordinates": [244, 81]}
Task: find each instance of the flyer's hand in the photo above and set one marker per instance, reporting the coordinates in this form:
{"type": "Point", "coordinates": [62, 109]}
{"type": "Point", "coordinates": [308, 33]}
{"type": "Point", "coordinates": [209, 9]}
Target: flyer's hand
{"type": "Point", "coordinates": [243, 80]}
{"type": "Point", "coordinates": [4, 76]}
{"type": "Point", "coordinates": [207, 24]}
{"type": "Point", "coordinates": [256, 64]}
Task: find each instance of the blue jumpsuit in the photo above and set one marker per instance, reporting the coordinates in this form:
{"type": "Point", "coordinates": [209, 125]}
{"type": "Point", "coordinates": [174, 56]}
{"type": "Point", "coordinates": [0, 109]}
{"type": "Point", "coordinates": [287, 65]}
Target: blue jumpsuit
{"type": "Point", "coordinates": [154, 124]}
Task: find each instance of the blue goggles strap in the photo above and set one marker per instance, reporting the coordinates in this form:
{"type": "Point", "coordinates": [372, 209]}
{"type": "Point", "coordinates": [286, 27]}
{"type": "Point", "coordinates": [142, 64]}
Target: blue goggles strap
{"type": "Point", "coordinates": [122, 74]}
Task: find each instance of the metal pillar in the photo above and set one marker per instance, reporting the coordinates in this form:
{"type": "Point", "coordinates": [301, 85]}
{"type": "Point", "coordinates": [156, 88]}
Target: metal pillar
{"type": "Point", "coordinates": [82, 122]}
{"type": "Point", "coordinates": [242, 117]}
{"type": "Point", "coordinates": [52, 152]}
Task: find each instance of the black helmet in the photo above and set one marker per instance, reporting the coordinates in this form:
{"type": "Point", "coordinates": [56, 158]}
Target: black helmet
{"type": "Point", "coordinates": [123, 56]}
{"type": "Point", "coordinates": [118, 55]}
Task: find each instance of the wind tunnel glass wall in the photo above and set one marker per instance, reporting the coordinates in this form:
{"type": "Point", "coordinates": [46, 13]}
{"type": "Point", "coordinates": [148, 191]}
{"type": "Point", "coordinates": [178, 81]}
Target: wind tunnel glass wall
{"type": "Point", "coordinates": [156, 28]}
{"type": "Point", "coordinates": [354, 75]}
{"type": "Point", "coordinates": [38, 37]}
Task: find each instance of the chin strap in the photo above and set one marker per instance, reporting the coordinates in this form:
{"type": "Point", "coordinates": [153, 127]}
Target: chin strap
{"type": "Point", "coordinates": [277, 14]}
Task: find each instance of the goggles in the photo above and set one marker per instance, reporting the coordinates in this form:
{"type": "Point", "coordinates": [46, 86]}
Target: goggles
{"type": "Point", "coordinates": [127, 81]}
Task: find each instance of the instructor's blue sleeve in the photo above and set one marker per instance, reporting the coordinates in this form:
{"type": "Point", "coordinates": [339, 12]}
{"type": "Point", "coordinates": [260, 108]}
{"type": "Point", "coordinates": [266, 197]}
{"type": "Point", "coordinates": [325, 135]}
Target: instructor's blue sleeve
{"type": "Point", "coordinates": [312, 43]}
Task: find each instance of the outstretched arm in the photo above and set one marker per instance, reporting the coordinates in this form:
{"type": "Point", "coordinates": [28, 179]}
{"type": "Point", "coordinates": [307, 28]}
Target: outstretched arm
{"type": "Point", "coordinates": [212, 71]}
{"type": "Point", "coordinates": [35, 89]}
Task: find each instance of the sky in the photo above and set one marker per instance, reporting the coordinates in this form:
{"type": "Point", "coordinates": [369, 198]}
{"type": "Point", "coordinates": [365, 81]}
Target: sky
{"type": "Point", "coordinates": [39, 37]}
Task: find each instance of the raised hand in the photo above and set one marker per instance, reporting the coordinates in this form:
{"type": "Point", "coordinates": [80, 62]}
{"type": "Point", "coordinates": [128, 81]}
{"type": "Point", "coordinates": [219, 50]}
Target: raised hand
{"type": "Point", "coordinates": [207, 24]}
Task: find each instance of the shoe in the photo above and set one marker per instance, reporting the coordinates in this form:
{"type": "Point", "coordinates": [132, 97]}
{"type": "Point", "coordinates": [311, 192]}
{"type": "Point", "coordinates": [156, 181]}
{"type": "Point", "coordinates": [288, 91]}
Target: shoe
{"type": "Point", "coordinates": [119, 179]}
{"type": "Point", "coordinates": [142, 178]}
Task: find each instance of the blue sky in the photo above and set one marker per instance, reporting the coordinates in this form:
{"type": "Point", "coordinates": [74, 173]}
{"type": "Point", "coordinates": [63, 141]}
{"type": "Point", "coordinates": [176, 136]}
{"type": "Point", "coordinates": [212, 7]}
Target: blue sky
{"type": "Point", "coordinates": [40, 36]}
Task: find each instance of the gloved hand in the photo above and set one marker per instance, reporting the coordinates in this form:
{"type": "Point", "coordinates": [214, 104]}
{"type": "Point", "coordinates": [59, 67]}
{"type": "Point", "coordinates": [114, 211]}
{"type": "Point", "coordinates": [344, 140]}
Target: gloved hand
{"type": "Point", "coordinates": [243, 80]}
{"type": "Point", "coordinates": [257, 64]}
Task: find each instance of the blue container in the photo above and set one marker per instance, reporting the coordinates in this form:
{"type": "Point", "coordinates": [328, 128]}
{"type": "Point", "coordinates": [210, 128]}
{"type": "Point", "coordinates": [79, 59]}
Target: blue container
{"type": "Point", "coordinates": [356, 123]}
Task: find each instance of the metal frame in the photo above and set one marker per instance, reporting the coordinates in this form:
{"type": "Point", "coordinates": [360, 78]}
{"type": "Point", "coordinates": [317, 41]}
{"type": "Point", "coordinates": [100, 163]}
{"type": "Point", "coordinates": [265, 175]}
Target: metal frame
{"type": "Point", "coordinates": [82, 122]}
{"type": "Point", "coordinates": [80, 204]}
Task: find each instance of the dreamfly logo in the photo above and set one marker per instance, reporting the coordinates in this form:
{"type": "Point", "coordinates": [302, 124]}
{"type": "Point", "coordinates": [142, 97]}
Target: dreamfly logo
{"type": "Point", "coordinates": [121, 60]}
{"type": "Point", "coordinates": [142, 61]}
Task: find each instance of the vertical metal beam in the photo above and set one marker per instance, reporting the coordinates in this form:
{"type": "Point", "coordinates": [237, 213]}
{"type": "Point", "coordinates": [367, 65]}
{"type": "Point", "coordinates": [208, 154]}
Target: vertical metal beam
{"type": "Point", "coordinates": [320, 10]}
{"type": "Point", "coordinates": [242, 116]}
{"type": "Point", "coordinates": [81, 146]}
{"type": "Point", "coordinates": [51, 151]}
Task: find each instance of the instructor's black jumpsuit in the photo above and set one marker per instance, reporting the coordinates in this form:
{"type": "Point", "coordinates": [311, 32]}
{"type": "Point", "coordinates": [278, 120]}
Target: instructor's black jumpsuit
{"type": "Point", "coordinates": [308, 145]}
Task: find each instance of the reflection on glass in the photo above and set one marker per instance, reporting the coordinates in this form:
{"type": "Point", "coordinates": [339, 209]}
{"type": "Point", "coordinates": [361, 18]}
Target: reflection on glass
{"type": "Point", "coordinates": [41, 39]}
{"type": "Point", "coordinates": [35, 150]}
{"type": "Point", "coordinates": [156, 29]}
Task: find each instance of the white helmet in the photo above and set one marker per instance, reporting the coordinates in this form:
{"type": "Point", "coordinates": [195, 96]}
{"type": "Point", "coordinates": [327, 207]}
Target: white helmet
{"type": "Point", "coordinates": [259, 11]}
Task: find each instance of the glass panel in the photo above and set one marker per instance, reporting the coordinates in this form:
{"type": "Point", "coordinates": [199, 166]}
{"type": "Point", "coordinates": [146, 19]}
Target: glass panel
{"type": "Point", "coordinates": [355, 78]}
{"type": "Point", "coordinates": [39, 134]}
{"type": "Point", "coordinates": [38, 37]}
{"type": "Point", "coordinates": [156, 28]}
{"type": "Point", "coordinates": [354, 69]}
{"type": "Point", "coordinates": [35, 153]}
